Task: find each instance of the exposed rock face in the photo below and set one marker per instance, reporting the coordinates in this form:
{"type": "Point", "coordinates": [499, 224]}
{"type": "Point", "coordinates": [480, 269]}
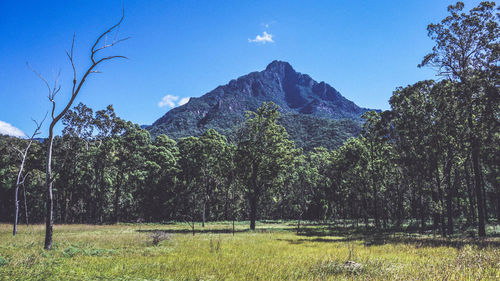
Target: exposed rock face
{"type": "Point", "coordinates": [298, 95]}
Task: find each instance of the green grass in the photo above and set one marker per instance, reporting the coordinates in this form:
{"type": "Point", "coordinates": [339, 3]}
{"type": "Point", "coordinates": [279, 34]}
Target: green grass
{"type": "Point", "coordinates": [273, 252]}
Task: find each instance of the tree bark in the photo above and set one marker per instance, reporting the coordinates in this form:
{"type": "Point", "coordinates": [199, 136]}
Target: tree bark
{"type": "Point", "coordinates": [49, 215]}
{"type": "Point", "coordinates": [25, 205]}
{"type": "Point", "coordinates": [472, 207]}
{"type": "Point", "coordinates": [254, 197]}
{"type": "Point", "coordinates": [253, 212]}
{"type": "Point", "coordinates": [16, 210]}
{"type": "Point", "coordinates": [117, 200]}
{"type": "Point", "coordinates": [204, 210]}
{"type": "Point", "coordinates": [477, 183]}
{"type": "Point", "coordinates": [449, 193]}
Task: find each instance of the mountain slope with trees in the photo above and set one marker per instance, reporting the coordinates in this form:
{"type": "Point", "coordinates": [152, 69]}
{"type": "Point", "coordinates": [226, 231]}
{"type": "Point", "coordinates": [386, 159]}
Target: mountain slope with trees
{"type": "Point", "coordinates": [303, 103]}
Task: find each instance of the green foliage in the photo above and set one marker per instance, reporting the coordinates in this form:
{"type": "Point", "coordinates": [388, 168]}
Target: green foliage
{"type": "Point", "coordinates": [264, 153]}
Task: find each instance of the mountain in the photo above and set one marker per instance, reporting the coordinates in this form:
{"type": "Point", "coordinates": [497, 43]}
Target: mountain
{"type": "Point", "coordinates": [314, 114]}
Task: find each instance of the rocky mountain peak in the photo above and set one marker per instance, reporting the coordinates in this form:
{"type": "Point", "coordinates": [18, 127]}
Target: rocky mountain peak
{"type": "Point", "coordinates": [298, 96]}
{"type": "Point", "coordinates": [278, 66]}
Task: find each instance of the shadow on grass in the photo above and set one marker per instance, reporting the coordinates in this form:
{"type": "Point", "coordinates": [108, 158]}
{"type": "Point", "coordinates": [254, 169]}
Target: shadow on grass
{"type": "Point", "coordinates": [328, 233]}
{"type": "Point", "coordinates": [301, 241]}
{"type": "Point", "coordinates": [197, 231]}
{"type": "Point", "coordinates": [372, 238]}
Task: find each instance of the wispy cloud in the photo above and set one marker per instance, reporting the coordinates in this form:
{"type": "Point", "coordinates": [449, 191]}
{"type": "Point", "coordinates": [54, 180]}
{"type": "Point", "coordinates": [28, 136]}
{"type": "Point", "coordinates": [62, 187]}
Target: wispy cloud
{"type": "Point", "coordinates": [168, 100]}
{"type": "Point", "coordinates": [264, 38]}
{"type": "Point", "coordinates": [171, 100]}
{"type": "Point", "coordinates": [183, 101]}
{"type": "Point", "coordinates": [8, 129]}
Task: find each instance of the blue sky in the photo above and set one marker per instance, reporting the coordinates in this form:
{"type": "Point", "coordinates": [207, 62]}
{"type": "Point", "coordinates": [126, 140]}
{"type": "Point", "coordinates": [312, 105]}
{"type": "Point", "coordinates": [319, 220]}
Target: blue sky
{"type": "Point", "coordinates": [365, 49]}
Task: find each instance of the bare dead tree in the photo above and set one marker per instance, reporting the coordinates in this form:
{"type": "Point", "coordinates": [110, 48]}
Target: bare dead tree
{"type": "Point", "coordinates": [100, 44]}
{"type": "Point", "coordinates": [22, 155]}
{"type": "Point", "coordinates": [25, 204]}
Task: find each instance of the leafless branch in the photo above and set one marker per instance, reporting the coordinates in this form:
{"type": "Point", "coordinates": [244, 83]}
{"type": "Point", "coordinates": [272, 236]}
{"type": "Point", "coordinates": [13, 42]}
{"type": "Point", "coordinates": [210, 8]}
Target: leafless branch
{"type": "Point", "coordinates": [24, 178]}
{"type": "Point", "coordinates": [23, 155]}
{"type": "Point", "coordinates": [70, 57]}
{"type": "Point", "coordinates": [41, 78]}
{"type": "Point", "coordinates": [95, 49]}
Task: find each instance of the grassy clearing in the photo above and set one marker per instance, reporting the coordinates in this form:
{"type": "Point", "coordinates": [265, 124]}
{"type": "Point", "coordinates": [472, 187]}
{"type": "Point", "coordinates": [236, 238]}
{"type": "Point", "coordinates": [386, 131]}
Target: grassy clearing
{"type": "Point", "coordinates": [273, 252]}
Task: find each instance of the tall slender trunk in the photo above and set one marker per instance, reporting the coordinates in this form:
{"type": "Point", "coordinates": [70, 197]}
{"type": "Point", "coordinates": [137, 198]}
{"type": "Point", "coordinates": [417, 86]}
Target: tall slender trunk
{"type": "Point", "coordinates": [25, 205]}
{"type": "Point", "coordinates": [449, 192]}
{"type": "Point", "coordinates": [475, 149]}
{"type": "Point", "coordinates": [16, 209]}
{"type": "Point", "coordinates": [204, 208]}
{"type": "Point", "coordinates": [375, 187]}
{"type": "Point", "coordinates": [254, 197]}
{"type": "Point", "coordinates": [422, 214]}
{"type": "Point", "coordinates": [441, 215]}
{"type": "Point", "coordinates": [485, 205]}
{"type": "Point", "coordinates": [117, 199]}
{"type": "Point", "coordinates": [16, 191]}
{"type": "Point", "coordinates": [375, 208]}
{"type": "Point", "coordinates": [49, 215]}
{"type": "Point", "coordinates": [477, 184]}
{"type": "Point", "coordinates": [470, 191]}
{"type": "Point", "coordinates": [253, 212]}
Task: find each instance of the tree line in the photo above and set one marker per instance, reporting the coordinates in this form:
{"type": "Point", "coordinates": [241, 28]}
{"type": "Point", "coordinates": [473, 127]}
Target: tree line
{"type": "Point", "coordinates": [431, 162]}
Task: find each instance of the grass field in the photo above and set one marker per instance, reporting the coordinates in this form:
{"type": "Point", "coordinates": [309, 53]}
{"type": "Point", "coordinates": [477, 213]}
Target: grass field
{"type": "Point", "coordinates": [273, 252]}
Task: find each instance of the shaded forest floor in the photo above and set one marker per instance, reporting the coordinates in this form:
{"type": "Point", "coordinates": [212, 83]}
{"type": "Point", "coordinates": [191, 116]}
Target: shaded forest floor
{"type": "Point", "coordinates": [275, 251]}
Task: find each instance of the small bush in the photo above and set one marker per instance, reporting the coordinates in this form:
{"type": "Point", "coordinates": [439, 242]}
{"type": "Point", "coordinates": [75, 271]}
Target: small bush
{"type": "Point", "coordinates": [215, 247]}
{"type": "Point", "coordinates": [71, 251]}
{"type": "Point", "coordinates": [157, 236]}
{"type": "Point", "coordinates": [3, 261]}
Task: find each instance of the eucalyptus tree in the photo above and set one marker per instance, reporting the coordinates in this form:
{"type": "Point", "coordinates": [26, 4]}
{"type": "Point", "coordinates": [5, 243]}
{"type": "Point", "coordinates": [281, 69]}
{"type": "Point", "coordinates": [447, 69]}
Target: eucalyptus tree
{"type": "Point", "coordinates": [132, 171]}
{"type": "Point", "coordinates": [109, 127]}
{"type": "Point", "coordinates": [318, 177]}
{"type": "Point", "coordinates": [211, 154]}
{"type": "Point", "coordinates": [74, 154]}
{"type": "Point", "coordinates": [162, 168]}
{"type": "Point", "coordinates": [374, 143]}
{"type": "Point", "coordinates": [351, 165]}
{"type": "Point", "coordinates": [306, 180]}
{"type": "Point", "coordinates": [381, 166]}
{"type": "Point", "coordinates": [188, 195]}
{"type": "Point", "coordinates": [466, 48]}
{"type": "Point", "coordinates": [413, 133]}
{"type": "Point", "coordinates": [263, 155]}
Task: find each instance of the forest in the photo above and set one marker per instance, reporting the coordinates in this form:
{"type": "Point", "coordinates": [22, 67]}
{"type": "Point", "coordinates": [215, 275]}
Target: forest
{"type": "Point", "coordinates": [430, 163]}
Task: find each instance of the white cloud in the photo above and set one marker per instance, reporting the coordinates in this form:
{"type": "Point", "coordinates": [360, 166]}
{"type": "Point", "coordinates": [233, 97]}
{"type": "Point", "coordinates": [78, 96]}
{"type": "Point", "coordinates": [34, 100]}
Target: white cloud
{"type": "Point", "coordinates": [168, 100]}
{"type": "Point", "coordinates": [264, 38]}
{"type": "Point", "coordinates": [183, 101]}
{"type": "Point", "coordinates": [8, 129]}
